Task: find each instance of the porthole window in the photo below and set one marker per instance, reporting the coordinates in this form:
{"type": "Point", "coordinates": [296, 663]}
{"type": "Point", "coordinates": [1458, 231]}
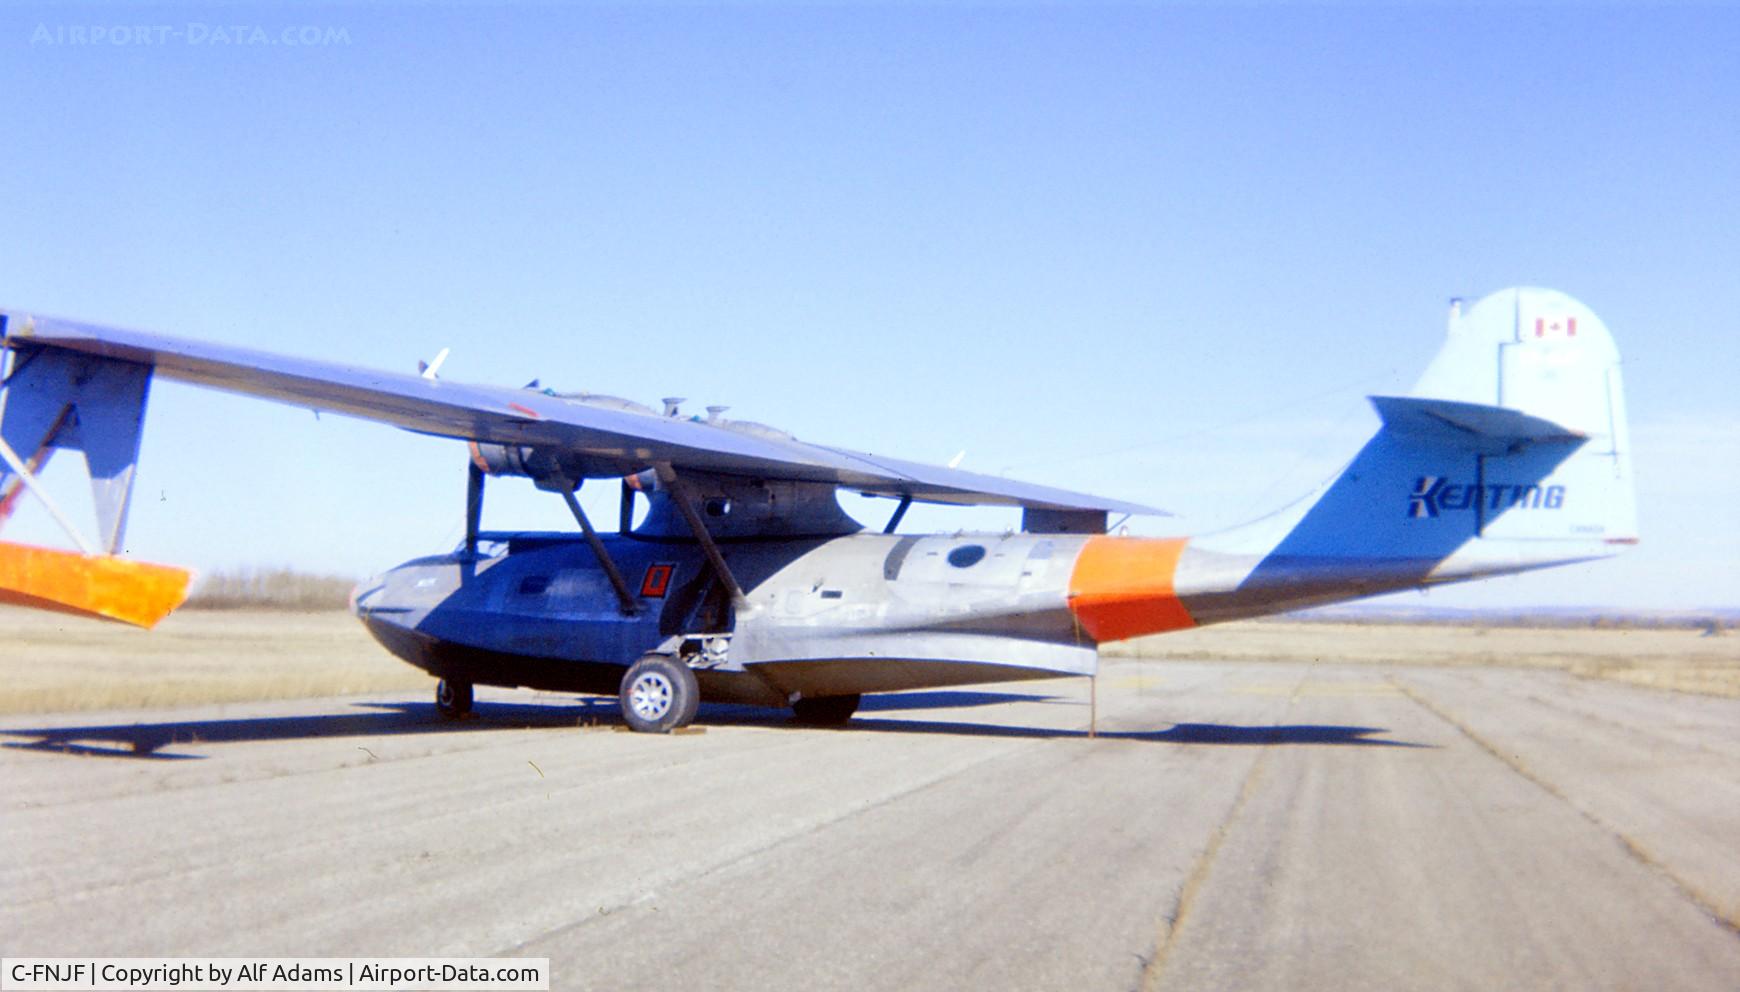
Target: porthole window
{"type": "Point", "coordinates": [967, 555]}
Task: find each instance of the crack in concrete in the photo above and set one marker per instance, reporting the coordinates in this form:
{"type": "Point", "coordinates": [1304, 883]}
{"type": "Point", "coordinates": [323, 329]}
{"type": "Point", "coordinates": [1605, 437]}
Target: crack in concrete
{"type": "Point", "coordinates": [1154, 965]}
{"type": "Point", "coordinates": [1729, 921]}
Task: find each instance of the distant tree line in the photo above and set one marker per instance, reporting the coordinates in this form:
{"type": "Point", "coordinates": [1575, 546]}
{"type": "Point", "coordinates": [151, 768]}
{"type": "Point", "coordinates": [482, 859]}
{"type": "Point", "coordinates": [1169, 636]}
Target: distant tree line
{"type": "Point", "coordinates": [1713, 622]}
{"type": "Point", "coordinates": [270, 589]}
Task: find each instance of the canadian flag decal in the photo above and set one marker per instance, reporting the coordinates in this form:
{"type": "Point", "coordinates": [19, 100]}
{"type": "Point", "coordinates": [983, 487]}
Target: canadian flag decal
{"type": "Point", "coordinates": [1553, 327]}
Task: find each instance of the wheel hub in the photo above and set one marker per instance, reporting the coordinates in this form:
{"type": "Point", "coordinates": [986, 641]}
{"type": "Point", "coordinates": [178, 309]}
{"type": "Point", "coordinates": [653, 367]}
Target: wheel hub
{"type": "Point", "coordinates": [650, 696]}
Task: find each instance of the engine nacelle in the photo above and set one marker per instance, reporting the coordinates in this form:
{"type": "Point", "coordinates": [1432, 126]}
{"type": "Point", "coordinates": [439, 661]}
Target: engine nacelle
{"type": "Point", "coordinates": [554, 471]}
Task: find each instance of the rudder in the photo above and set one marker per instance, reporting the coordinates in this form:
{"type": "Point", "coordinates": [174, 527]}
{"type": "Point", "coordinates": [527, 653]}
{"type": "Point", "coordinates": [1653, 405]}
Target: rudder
{"type": "Point", "coordinates": [1509, 454]}
{"type": "Point", "coordinates": [1542, 354]}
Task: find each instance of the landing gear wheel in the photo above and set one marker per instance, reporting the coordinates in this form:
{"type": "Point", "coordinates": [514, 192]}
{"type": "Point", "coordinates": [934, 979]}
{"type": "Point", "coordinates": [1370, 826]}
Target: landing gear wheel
{"type": "Point", "coordinates": [452, 699]}
{"type": "Point", "coordinates": [659, 694]}
{"type": "Point", "coordinates": [826, 711]}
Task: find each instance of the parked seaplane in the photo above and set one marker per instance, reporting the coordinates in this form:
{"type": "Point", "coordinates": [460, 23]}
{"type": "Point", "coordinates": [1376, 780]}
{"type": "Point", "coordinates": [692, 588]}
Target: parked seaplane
{"type": "Point", "coordinates": [746, 582]}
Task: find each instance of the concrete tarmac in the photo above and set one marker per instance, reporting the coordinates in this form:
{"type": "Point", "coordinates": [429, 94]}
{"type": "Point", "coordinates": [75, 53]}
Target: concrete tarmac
{"type": "Point", "coordinates": [1232, 826]}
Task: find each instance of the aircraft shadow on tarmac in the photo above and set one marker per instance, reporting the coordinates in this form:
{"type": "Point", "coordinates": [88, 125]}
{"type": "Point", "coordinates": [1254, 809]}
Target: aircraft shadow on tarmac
{"type": "Point", "coordinates": [163, 741]}
{"type": "Point", "coordinates": [1181, 733]}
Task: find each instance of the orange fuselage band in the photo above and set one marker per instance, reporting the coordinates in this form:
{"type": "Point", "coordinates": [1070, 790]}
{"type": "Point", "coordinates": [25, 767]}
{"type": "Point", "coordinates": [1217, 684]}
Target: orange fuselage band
{"type": "Point", "coordinates": [1123, 587]}
{"type": "Point", "coordinates": [132, 592]}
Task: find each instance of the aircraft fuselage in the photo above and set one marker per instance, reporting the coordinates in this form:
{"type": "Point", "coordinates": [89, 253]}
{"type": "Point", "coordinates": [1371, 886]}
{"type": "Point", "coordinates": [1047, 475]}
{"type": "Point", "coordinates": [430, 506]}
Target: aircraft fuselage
{"type": "Point", "coordinates": [821, 617]}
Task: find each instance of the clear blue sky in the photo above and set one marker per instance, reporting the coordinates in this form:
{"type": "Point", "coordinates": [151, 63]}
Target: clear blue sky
{"type": "Point", "coordinates": [1159, 253]}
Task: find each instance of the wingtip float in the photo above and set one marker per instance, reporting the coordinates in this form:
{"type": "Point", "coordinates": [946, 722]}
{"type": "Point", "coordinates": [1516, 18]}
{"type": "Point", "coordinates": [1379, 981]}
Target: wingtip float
{"type": "Point", "coordinates": [101, 586]}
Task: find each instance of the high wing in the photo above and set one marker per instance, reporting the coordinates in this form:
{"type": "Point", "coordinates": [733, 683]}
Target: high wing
{"type": "Point", "coordinates": [613, 441]}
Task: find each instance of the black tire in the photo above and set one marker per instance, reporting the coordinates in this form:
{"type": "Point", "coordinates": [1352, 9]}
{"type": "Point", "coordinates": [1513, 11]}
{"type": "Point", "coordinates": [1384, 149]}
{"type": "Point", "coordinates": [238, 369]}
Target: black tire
{"type": "Point", "coordinates": [452, 699]}
{"type": "Point", "coordinates": [826, 711]}
{"type": "Point", "coordinates": [659, 694]}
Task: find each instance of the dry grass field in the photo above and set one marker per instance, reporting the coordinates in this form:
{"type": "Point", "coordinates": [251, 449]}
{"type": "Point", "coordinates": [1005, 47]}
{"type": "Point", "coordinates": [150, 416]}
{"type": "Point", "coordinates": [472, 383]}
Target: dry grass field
{"type": "Point", "coordinates": [53, 663]}
{"type": "Point", "coordinates": [1684, 660]}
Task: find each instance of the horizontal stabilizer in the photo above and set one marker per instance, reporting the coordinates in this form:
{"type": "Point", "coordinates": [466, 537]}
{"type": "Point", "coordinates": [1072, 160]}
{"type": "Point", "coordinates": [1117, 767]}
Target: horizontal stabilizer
{"type": "Point", "coordinates": [104, 586]}
{"type": "Point", "coordinates": [1474, 426]}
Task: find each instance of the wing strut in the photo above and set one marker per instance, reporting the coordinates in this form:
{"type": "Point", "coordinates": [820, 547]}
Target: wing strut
{"type": "Point", "coordinates": [899, 512]}
{"type": "Point", "coordinates": [679, 492]}
{"type": "Point", "coordinates": [599, 551]}
{"type": "Point", "coordinates": [473, 508]}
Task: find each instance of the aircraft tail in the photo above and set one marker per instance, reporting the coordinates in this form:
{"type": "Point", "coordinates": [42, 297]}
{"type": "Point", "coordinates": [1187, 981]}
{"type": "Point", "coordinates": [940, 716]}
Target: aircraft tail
{"type": "Point", "coordinates": [1511, 453]}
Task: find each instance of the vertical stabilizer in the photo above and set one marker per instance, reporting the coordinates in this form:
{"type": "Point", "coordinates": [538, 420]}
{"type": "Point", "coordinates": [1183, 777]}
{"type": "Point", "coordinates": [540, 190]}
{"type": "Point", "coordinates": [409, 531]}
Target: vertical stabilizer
{"type": "Point", "coordinates": [1545, 355]}
{"type": "Point", "coordinates": [1509, 454]}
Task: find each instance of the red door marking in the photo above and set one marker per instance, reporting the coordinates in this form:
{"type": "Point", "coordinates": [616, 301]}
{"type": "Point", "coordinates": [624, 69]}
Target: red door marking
{"type": "Point", "coordinates": [657, 581]}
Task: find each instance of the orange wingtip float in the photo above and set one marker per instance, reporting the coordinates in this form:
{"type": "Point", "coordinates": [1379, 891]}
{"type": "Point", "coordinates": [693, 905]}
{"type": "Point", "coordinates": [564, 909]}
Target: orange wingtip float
{"type": "Point", "coordinates": [103, 586]}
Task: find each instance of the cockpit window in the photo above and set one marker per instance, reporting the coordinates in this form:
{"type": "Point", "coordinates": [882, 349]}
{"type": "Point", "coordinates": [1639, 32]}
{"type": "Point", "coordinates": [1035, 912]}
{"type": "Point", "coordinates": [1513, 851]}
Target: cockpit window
{"type": "Point", "coordinates": [487, 547]}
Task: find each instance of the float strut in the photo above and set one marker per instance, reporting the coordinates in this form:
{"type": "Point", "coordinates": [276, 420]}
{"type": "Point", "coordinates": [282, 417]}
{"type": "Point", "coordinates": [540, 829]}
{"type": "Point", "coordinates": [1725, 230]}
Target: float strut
{"type": "Point", "coordinates": [20, 469]}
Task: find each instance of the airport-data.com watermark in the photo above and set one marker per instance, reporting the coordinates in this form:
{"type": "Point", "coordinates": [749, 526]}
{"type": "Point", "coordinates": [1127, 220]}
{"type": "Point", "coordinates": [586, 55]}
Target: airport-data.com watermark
{"type": "Point", "coordinates": [275, 974]}
{"type": "Point", "coordinates": [195, 34]}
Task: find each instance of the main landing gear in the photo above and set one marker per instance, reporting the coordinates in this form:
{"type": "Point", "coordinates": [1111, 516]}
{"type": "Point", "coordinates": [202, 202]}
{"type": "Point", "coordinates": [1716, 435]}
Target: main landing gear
{"type": "Point", "coordinates": [659, 694]}
{"type": "Point", "coordinates": [452, 699]}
